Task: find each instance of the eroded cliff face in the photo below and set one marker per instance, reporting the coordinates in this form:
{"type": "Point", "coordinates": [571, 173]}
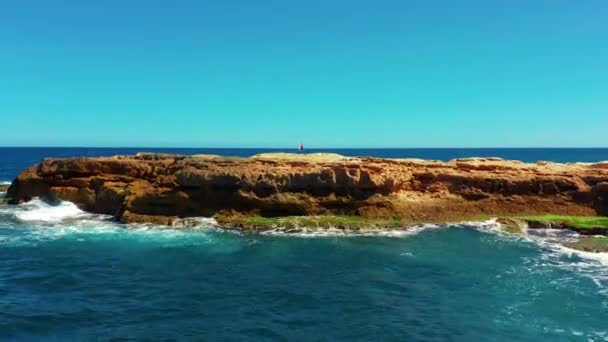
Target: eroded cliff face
{"type": "Point", "coordinates": [159, 188]}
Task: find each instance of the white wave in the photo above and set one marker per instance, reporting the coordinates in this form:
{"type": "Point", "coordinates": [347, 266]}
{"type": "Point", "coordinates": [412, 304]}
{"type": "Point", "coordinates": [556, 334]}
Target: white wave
{"type": "Point", "coordinates": [311, 232]}
{"type": "Point", "coordinates": [553, 240]}
{"type": "Point", "coordinates": [37, 210]}
{"type": "Point", "coordinates": [34, 234]}
{"type": "Point", "coordinates": [602, 257]}
{"type": "Point", "coordinates": [6, 182]}
{"type": "Point", "coordinates": [488, 225]}
{"type": "Point", "coordinates": [36, 222]}
{"type": "Point", "coordinates": [547, 238]}
{"type": "Point", "coordinates": [588, 264]}
{"type": "Point", "coordinates": [555, 254]}
{"type": "Point", "coordinates": [406, 231]}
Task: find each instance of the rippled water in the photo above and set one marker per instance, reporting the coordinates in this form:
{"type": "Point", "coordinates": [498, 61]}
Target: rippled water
{"type": "Point", "coordinates": [70, 275]}
{"type": "Point", "coordinates": [81, 276]}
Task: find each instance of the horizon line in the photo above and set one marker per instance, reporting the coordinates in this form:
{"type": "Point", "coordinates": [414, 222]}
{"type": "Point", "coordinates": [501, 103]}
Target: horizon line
{"type": "Point", "coordinates": [310, 148]}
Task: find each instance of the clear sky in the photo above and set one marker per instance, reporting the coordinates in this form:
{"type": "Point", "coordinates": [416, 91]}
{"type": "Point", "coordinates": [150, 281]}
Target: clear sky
{"type": "Point", "coordinates": [330, 73]}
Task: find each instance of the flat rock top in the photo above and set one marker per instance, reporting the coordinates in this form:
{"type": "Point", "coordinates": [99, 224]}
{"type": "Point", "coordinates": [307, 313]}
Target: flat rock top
{"type": "Point", "coordinates": [463, 164]}
{"type": "Point", "coordinates": [307, 157]}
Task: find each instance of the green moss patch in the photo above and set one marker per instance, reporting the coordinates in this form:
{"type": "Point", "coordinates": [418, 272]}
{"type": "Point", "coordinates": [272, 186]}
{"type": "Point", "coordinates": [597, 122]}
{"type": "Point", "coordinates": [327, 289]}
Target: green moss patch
{"type": "Point", "coordinates": [576, 222]}
{"type": "Point", "coordinates": [325, 221]}
{"type": "Point", "coordinates": [596, 244]}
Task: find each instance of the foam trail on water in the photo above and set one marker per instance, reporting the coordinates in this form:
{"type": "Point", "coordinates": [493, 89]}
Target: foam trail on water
{"type": "Point", "coordinates": [406, 231]}
{"type": "Point", "coordinates": [37, 210]}
{"type": "Point", "coordinates": [555, 254]}
{"type": "Point", "coordinates": [6, 182]}
{"type": "Point", "coordinates": [550, 239]}
{"type": "Point", "coordinates": [312, 232]}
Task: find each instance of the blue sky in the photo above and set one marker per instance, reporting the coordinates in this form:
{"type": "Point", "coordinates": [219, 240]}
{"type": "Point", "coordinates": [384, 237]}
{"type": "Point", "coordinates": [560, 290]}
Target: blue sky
{"type": "Point", "coordinates": [332, 73]}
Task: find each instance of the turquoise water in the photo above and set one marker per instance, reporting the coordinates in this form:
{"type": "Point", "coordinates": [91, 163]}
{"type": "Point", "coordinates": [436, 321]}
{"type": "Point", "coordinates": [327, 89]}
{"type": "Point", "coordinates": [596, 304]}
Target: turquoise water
{"type": "Point", "coordinates": [69, 275]}
{"type": "Point", "coordinates": [83, 277]}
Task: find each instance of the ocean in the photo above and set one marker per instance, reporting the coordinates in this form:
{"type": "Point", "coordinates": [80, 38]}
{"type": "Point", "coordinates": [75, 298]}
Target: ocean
{"type": "Point", "coordinates": [71, 275]}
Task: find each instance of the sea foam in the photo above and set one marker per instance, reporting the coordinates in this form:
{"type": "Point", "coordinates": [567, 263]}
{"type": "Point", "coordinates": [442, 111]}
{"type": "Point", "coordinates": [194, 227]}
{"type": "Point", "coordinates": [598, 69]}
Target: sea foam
{"type": "Point", "coordinates": [37, 210]}
{"type": "Point", "coordinates": [64, 213]}
{"type": "Point", "coordinates": [313, 232]}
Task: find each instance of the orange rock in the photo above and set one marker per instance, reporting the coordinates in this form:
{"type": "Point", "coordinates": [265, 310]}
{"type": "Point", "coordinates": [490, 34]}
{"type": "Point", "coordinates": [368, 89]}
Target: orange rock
{"type": "Point", "coordinates": [160, 187]}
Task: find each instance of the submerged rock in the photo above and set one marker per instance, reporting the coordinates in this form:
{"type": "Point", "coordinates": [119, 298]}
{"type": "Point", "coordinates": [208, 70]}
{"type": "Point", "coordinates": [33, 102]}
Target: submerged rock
{"type": "Point", "coordinates": [162, 188]}
{"type": "Point", "coordinates": [512, 225]}
{"type": "Point", "coordinates": [595, 244]}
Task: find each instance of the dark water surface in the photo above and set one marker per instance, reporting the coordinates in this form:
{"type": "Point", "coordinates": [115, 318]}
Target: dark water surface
{"type": "Point", "coordinates": [67, 275]}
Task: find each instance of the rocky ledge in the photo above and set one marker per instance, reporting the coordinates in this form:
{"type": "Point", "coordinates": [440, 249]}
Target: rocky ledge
{"type": "Point", "coordinates": [161, 188]}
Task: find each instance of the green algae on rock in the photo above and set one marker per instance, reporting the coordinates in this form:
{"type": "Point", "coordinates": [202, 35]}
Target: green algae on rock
{"type": "Point", "coordinates": [595, 244]}
{"type": "Point", "coordinates": [579, 222]}
{"type": "Point", "coordinates": [323, 221]}
{"type": "Point", "coordinates": [588, 225]}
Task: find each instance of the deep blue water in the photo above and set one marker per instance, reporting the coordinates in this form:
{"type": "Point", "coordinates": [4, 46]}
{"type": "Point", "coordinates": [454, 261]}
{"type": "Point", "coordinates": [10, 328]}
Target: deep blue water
{"type": "Point", "coordinates": [68, 275]}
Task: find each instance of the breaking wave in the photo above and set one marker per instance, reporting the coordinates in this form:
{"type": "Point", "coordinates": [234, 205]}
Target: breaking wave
{"type": "Point", "coordinates": [37, 210]}
{"type": "Point", "coordinates": [311, 232]}
{"type": "Point", "coordinates": [550, 240]}
{"type": "Point", "coordinates": [555, 255]}
{"type": "Point", "coordinates": [36, 222]}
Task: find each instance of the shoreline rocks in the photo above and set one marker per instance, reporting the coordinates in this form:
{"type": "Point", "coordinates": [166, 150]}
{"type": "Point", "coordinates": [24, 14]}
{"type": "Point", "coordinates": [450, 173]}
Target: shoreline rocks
{"type": "Point", "coordinates": [592, 244]}
{"type": "Point", "coordinates": [162, 188]}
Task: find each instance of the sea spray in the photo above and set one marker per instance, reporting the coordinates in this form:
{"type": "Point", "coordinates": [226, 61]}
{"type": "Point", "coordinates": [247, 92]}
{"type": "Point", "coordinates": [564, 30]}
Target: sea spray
{"type": "Point", "coordinates": [37, 210]}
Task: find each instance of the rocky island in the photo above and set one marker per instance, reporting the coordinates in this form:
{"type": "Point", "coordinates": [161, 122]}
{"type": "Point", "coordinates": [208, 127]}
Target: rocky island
{"type": "Point", "coordinates": [324, 189]}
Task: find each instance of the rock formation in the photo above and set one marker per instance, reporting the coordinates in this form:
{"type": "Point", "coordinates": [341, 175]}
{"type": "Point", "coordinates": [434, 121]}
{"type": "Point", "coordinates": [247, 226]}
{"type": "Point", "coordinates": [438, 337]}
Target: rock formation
{"type": "Point", "coordinates": [159, 188]}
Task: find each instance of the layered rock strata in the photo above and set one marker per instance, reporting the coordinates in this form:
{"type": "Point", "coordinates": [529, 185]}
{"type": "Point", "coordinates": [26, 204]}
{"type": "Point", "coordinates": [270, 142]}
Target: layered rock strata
{"type": "Point", "coordinates": [161, 188]}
